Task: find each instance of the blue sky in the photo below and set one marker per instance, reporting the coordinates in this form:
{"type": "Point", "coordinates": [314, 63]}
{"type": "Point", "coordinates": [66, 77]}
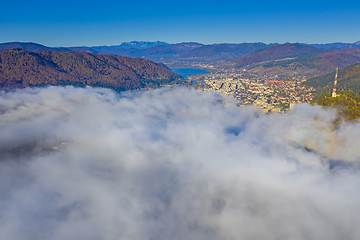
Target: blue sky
{"type": "Point", "coordinates": [73, 23]}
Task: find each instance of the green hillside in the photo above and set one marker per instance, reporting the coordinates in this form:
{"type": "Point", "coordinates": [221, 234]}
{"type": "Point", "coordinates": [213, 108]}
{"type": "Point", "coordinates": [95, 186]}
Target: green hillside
{"type": "Point", "coordinates": [348, 79]}
{"type": "Point", "coordinates": [347, 103]}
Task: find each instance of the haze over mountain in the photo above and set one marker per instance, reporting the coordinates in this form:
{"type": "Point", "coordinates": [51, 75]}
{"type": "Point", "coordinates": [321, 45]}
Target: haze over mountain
{"type": "Point", "coordinates": [21, 68]}
{"type": "Point", "coordinates": [140, 44]}
{"type": "Point", "coordinates": [159, 52]}
{"type": "Point", "coordinates": [337, 45]}
{"type": "Point", "coordinates": [122, 49]}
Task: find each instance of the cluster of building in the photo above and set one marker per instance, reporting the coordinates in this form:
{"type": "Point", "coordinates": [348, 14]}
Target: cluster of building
{"type": "Point", "coordinates": [267, 94]}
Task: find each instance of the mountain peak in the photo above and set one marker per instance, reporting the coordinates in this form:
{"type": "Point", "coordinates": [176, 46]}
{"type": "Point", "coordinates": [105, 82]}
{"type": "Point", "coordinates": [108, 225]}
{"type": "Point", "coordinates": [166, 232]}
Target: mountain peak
{"type": "Point", "coordinates": [140, 44]}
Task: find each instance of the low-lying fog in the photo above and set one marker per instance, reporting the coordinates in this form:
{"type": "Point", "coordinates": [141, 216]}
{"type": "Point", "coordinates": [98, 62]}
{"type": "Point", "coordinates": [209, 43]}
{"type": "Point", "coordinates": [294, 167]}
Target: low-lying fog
{"type": "Point", "coordinates": [172, 164]}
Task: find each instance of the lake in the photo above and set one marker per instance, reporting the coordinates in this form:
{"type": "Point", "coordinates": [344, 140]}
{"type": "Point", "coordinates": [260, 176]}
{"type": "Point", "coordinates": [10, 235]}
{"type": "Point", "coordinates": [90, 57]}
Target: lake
{"type": "Point", "coordinates": [185, 72]}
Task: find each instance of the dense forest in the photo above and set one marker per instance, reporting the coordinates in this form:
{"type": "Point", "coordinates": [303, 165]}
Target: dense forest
{"type": "Point", "coordinates": [21, 68]}
{"type": "Point", "coordinates": [347, 104]}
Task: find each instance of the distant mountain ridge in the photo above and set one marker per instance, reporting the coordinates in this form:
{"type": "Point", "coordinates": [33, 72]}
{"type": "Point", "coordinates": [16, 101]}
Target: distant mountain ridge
{"type": "Point", "coordinates": [160, 52]}
{"type": "Point", "coordinates": [140, 44]}
{"type": "Point", "coordinates": [338, 45]}
{"type": "Point", "coordinates": [274, 59]}
{"type": "Point", "coordinates": [22, 68]}
{"type": "Point", "coordinates": [293, 59]}
{"type": "Point", "coordinates": [315, 64]}
{"type": "Point", "coordinates": [287, 50]}
{"type": "Point", "coordinates": [138, 48]}
{"type": "Point", "coordinates": [34, 47]}
{"type": "Point", "coordinates": [122, 49]}
{"type": "Point", "coordinates": [222, 51]}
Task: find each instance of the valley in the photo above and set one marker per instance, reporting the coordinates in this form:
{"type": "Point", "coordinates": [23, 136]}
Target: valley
{"type": "Point", "coordinates": [272, 77]}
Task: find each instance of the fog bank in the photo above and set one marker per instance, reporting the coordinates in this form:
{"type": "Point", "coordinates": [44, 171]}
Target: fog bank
{"type": "Point", "coordinates": [172, 164]}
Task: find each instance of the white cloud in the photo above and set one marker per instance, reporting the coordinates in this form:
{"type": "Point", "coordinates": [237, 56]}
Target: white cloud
{"type": "Point", "coordinates": [172, 164]}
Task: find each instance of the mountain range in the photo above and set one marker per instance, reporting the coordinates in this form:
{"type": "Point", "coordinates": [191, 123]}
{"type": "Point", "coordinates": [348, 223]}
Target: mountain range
{"type": "Point", "coordinates": [140, 44]}
{"type": "Point", "coordinates": [34, 47]}
{"type": "Point", "coordinates": [287, 59]}
{"type": "Point", "coordinates": [22, 68]}
{"type": "Point", "coordinates": [293, 59]}
{"type": "Point", "coordinates": [338, 45]}
{"type": "Point", "coordinates": [287, 51]}
{"type": "Point", "coordinates": [188, 53]}
{"type": "Point", "coordinates": [241, 48]}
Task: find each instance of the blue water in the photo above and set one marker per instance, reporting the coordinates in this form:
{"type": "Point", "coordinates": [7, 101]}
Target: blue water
{"type": "Point", "coordinates": [185, 72]}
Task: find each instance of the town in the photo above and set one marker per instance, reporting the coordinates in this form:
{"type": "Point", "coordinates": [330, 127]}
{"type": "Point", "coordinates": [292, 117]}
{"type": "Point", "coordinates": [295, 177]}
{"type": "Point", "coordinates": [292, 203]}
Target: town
{"type": "Point", "coordinates": [271, 94]}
